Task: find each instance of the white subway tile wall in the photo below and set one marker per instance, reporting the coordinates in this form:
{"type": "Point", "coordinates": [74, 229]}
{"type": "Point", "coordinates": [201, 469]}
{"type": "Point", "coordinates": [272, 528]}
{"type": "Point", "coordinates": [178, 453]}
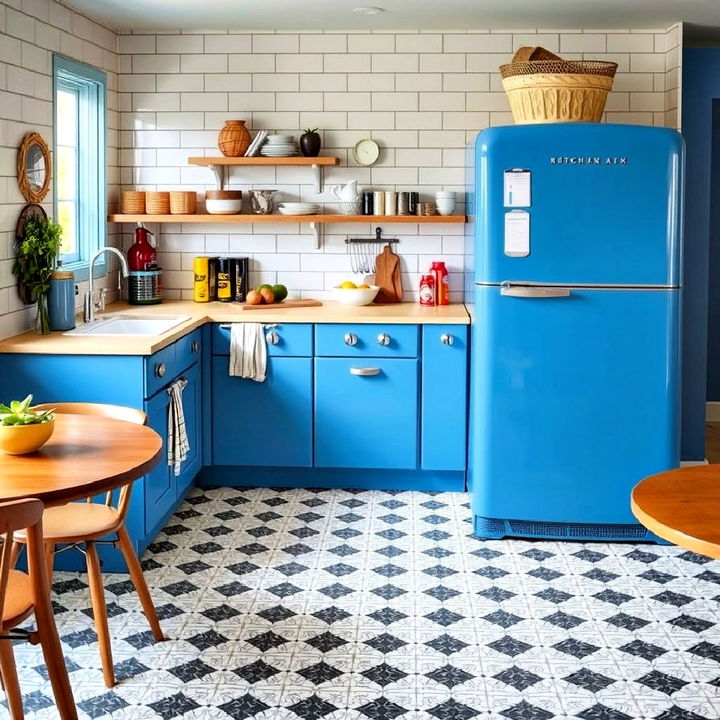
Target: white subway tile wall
{"type": "Point", "coordinates": [421, 95]}
{"type": "Point", "coordinates": [29, 33]}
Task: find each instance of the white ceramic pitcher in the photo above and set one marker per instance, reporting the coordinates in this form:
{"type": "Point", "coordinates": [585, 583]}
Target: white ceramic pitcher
{"type": "Point", "coordinates": [345, 193]}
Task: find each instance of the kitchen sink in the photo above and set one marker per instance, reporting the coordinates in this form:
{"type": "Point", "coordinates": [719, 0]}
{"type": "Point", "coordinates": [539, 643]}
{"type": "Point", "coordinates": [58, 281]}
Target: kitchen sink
{"type": "Point", "coordinates": [129, 325]}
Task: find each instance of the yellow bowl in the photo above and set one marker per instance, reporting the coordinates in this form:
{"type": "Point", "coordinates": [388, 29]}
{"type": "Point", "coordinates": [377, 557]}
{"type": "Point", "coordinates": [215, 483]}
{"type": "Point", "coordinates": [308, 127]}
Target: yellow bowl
{"type": "Point", "coordinates": [22, 439]}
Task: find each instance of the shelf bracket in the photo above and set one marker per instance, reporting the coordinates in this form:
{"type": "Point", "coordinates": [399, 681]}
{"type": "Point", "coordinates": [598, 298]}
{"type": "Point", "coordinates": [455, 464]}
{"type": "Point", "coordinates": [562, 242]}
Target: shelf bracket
{"type": "Point", "coordinates": [219, 173]}
{"type": "Point", "coordinates": [316, 229]}
{"type": "Point", "coordinates": [318, 176]}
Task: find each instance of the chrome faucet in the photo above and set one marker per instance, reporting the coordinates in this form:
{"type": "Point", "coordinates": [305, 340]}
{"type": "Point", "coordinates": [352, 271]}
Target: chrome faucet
{"type": "Point", "coordinates": [90, 306]}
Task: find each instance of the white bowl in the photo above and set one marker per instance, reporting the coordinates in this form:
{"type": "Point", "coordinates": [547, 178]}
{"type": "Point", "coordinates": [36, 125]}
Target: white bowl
{"type": "Point", "coordinates": [445, 207]}
{"type": "Point", "coordinates": [355, 296]}
{"type": "Point", "coordinates": [445, 195]}
{"type": "Point", "coordinates": [223, 207]}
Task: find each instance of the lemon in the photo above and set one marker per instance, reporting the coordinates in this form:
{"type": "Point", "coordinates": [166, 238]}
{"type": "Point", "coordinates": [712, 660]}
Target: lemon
{"type": "Point", "coordinates": [363, 287]}
{"type": "Point", "coordinates": [348, 285]}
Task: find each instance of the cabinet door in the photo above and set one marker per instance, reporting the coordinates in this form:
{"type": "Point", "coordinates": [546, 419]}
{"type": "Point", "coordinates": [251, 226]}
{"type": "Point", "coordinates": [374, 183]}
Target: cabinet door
{"type": "Point", "coordinates": [263, 424]}
{"type": "Point", "coordinates": [160, 482]}
{"type": "Point", "coordinates": [444, 397]}
{"type": "Point", "coordinates": [366, 413]}
{"type": "Point", "coordinates": [192, 408]}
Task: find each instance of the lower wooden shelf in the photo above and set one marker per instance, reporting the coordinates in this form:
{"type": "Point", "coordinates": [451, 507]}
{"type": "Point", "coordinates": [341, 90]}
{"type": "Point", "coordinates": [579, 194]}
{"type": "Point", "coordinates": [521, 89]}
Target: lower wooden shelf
{"type": "Point", "coordinates": [203, 218]}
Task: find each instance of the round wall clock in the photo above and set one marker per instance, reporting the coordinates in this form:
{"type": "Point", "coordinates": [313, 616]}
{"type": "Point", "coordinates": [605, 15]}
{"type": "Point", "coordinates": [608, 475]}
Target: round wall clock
{"type": "Point", "coordinates": [366, 152]}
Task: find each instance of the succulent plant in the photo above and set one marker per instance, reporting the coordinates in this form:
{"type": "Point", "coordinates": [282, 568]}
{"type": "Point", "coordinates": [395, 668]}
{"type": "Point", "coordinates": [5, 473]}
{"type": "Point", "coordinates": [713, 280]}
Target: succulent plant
{"type": "Point", "coordinates": [19, 413]}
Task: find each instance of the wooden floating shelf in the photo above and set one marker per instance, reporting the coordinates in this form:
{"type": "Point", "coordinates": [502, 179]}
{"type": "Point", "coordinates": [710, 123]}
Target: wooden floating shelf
{"type": "Point", "coordinates": [260, 160]}
{"type": "Point", "coordinates": [204, 218]}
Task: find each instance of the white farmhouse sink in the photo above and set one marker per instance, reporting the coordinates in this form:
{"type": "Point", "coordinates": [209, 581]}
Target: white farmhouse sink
{"type": "Point", "coordinates": [129, 325]}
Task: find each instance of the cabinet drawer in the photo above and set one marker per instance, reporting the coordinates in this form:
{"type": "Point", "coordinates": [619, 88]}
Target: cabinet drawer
{"type": "Point", "coordinates": [188, 349]}
{"type": "Point", "coordinates": [160, 368]}
{"type": "Point", "coordinates": [283, 339]}
{"type": "Point", "coordinates": [366, 413]}
{"type": "Point", "coordinates": [366, 340]}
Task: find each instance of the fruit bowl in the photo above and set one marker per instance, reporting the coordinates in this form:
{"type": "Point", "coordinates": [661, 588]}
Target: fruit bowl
{"type": "Point", "coordinates": [23, 439]}
{"type": "Point", "coordinates": [355, 296]}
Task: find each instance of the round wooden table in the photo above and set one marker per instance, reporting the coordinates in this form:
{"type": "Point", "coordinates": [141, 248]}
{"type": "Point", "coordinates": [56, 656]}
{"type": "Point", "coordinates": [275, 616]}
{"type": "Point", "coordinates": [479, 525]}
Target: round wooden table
{"type": "Point", "coordinates": [86, 455]}
{"type": "Point", "coordinates": [682, 506]}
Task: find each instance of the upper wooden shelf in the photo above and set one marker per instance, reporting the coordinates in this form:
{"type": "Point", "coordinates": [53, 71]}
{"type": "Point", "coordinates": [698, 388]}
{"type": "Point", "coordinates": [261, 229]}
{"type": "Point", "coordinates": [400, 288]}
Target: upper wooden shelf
{"type": "Point", "coordinates": [203, 218]}
{"type": "Point", "coordinates": [295, 160]}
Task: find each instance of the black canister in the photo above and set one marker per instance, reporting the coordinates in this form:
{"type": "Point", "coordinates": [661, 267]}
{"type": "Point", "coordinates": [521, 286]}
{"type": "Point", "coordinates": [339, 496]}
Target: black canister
{"type": "Point", "coordinates": [367, 203]}
{"type": "Point", "coordinates": [225, 270]}
{"type": "Point", "coordinates": [212, 277]}
{"type": "Point", "coordinates": [145, 286]}
{"type": "Point", "coordinates": [240, 273]}
{"type": "Point", "coordinates": [414, 200]}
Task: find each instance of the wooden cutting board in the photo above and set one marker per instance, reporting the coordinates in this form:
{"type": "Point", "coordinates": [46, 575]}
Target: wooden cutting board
{"type": "Point", "coordinates": [387, 276]}
{"type": "Point", "coordinates": [284, 304]}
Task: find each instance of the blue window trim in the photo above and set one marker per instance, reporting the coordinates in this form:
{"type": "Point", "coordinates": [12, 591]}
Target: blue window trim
{"type": "Point", "coordinates": [92, 182]}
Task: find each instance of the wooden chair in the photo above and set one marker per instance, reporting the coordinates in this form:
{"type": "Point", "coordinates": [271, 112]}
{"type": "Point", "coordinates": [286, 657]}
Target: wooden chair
{"type": "Point", "coordinates": [84, 523]}
{"type": "Point", "coordinates": [22, 594]}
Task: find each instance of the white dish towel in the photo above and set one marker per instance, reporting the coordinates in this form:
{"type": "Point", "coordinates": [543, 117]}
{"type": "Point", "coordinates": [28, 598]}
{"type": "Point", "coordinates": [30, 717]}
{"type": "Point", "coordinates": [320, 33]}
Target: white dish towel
{"type": "Point", "coordinates": [178, 445]}
{"type": "Point", "coordinates": [248, 351]}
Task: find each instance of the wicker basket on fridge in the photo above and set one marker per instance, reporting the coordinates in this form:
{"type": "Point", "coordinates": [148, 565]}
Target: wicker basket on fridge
{"type": "Point", "coordinates": [183, 202]}
{"type": "Point", "coordinates": [132, 202]}
{"type": "Point", "coordinates": [541, 91]}
{"type": "Point", "coordinates": [157, 202]}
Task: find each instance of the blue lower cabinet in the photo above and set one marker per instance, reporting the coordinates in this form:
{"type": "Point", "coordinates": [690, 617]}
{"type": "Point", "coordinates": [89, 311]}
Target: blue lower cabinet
{"type": "Point", "coordinates": [264, 424]}
{"type": "Point", "coordinates": [366, 413]}
{"type": "Point", "coordinates": [443, 425]}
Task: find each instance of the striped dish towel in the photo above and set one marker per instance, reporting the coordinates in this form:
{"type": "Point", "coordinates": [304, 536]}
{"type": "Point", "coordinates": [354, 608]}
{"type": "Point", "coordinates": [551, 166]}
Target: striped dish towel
{"type": "Point", "coordinates": [248, 351]}
{"type": "Point", "coordinates": [178, 445]}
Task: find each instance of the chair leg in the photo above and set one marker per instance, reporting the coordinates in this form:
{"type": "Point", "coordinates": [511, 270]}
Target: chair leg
{"type": "Point", "coordinates": [138, 579]}
{"type": "Point", "coordinates": [50, 562]}
{"type": "Point", "coordinates": [15, 553]}
{"type": "Point", "coordinates": [97, 597]}
{"type": "Point", "coordinates": [10, 680]}
{"type": "Point", "coordinates": [47, 635]}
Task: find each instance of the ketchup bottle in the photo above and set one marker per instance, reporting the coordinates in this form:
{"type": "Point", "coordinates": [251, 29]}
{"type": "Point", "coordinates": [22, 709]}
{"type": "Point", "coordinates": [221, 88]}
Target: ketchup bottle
{"type": "Point", "coordinates": [440, 273]}
{"type": "Point", "coordinates": [141, 254]}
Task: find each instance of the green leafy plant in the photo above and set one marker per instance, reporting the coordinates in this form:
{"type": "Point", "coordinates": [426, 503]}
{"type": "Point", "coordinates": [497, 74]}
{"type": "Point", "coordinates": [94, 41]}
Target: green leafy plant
{"type": "Point", "coordinates": [36, 254]}
{"type": "Point", "coordinates": [19, 413]}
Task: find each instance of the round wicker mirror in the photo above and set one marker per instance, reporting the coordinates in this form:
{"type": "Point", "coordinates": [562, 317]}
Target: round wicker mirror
{"type": "Point", "coordinates": [34, 168]}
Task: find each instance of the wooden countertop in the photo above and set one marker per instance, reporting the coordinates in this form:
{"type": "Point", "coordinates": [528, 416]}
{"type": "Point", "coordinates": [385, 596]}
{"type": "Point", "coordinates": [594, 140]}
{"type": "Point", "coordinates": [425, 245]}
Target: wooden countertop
{"type": "Point", "coordinates": [201, 313]}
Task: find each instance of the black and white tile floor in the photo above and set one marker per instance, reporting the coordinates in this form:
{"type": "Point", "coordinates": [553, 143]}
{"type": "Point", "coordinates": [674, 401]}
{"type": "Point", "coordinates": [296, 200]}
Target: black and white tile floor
{"type": "Point", "coordinates": [340, 605]}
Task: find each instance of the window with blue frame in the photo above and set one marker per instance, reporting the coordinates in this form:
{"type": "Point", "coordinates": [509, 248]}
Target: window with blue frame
{"type": "Point", "coordinates": [79, 150]}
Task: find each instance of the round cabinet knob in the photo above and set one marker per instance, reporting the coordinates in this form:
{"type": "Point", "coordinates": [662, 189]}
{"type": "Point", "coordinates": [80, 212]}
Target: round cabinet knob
{"type": "Point", "coordinates": [194, 346]}
{"type": "Point", "coordinates": [160, 370]}
{"type": "Point", "coordinates": [447, 339]}
{"type": "Point", "coordinates": [273, 338]}
{"type": "Point", "coordinates": [350, 339]}
{"type": "Point", "coordinates": [383, 339]}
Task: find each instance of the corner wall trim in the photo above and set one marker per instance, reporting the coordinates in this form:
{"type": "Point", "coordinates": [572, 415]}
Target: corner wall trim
{"type": "Point", "coordinates": [712, 411]}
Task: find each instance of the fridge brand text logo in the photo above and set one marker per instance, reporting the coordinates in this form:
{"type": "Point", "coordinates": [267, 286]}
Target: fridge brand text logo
{"type": "Point", "coordinates": [561, 160]}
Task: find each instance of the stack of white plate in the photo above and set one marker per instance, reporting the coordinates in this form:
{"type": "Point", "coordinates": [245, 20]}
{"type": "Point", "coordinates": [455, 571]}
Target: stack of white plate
{"type": "Point", "coordinates": [279, 146]}
{"type": "Point", "coordinates": [298, 208]}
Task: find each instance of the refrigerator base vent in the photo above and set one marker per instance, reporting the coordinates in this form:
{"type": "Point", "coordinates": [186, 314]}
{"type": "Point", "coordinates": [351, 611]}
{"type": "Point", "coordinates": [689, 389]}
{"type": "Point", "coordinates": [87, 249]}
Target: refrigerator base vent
{"type": "Point", "coordinates": [492, 528]}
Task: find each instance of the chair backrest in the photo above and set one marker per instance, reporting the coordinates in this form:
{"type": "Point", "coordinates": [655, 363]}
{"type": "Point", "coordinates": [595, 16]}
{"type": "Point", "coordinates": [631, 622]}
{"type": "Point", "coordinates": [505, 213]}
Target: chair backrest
{"type": "Point", "coordinates": [115, 412]}
{"type": "Point", "coordinates": [16, 515]}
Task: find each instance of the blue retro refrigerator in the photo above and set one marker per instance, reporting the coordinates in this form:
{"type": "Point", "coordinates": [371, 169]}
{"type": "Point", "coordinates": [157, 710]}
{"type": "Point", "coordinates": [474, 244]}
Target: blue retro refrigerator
{"type": "Point", "coordinates": [574, 260]}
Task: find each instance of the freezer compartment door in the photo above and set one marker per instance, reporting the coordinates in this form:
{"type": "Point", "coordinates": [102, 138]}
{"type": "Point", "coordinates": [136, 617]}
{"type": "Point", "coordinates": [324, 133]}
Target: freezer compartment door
{"type": "Point", "coordinates": [574, 400]}
{"type": "Point", "coordinates": [603, 205]}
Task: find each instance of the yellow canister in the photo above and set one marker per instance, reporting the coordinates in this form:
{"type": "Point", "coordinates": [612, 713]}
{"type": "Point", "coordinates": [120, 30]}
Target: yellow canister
{"type": "Point", "coordinates": [201, 282]}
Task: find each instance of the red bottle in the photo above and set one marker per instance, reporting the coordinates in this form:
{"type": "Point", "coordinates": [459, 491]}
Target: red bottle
{"type": "Point", "coordinates": [427, 290]}
{"type": "Point", "coordinates": [141, 254]}
{"type": "Point", "coordinates": [440, 274]}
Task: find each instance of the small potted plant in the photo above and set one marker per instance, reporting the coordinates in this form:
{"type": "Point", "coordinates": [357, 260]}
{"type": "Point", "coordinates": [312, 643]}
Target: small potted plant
{"type": "Point", "coordinates": [37, 251]}
{"type": "Point", "coordinates": [310, 142]}
{"type": "Point", "coordinates": [23, 430]}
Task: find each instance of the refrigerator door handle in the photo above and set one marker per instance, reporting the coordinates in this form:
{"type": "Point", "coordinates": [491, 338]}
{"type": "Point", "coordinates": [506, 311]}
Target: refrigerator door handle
{"type": "Point", "coordinates": [523, 291]}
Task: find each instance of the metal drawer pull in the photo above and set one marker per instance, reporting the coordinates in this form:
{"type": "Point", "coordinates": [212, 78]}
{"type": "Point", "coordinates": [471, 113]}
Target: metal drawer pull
{"type": "Point", "coordinates": [383, 339]}
{"type": "Point", "coordinates": [447, 339]}
{"type": "Point", "coordinates": [534, 292]}
{"type": "Point", "coordinates": [364, 372]}
{"type": "Point", "coordinates": [194, 346]}
{"type": "Point", "coordinates": [350, 339]}
{"type": "Point", "coordinates": [159, 370]}
{"type": "Point", "coordinates": [273, 338]}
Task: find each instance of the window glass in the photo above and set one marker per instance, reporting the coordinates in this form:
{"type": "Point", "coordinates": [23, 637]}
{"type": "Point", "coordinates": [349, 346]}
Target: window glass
{"type": "Point", "coordinates": [79, 153]}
